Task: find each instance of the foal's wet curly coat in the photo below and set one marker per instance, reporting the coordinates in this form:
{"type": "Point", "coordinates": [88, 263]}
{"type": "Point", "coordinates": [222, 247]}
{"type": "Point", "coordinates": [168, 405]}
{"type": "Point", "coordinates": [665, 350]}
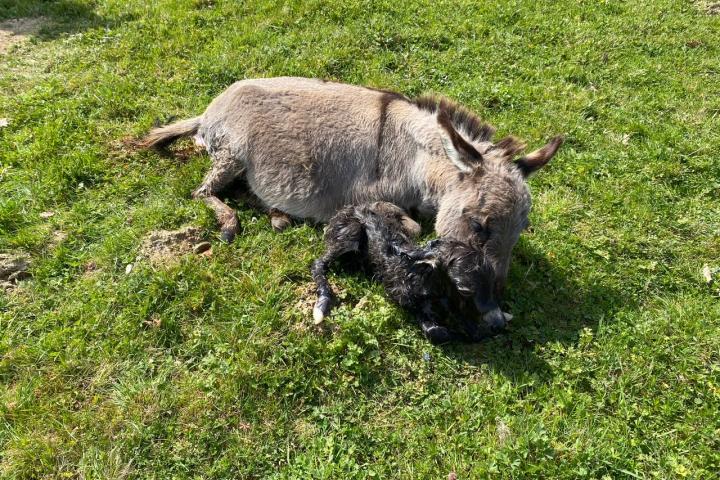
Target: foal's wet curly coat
{"type": "Point", "coordinates": [446, 278]}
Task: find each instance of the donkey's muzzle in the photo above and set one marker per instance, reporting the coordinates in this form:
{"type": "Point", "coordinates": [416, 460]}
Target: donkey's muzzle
{"type": "Point", "coordinates": [495, 319]}
{"type": "Point", "coordinates": [491, 314]}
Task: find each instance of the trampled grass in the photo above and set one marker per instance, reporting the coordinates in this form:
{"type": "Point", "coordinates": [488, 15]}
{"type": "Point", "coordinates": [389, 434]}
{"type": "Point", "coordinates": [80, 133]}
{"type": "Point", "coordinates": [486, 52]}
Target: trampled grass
{"type": "Point", "coordinates": [207, 368]}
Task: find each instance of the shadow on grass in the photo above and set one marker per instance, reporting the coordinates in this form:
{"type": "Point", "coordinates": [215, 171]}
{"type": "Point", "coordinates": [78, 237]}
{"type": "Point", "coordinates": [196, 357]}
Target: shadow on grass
{"type": "Point", "coordinates": [548, 305]}
{"type": "Point", "coordinates": [52, 18]}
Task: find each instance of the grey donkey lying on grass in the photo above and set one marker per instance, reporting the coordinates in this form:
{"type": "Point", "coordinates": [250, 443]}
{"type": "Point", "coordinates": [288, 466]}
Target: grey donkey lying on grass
{"type": "Point", "coordinates": [444, 279]}
{"type": "Point", "coordinates": [307, 147]}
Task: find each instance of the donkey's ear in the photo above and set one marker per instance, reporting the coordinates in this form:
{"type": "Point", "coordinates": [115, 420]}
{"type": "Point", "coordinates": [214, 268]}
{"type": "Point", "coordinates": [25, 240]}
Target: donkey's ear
{"type": "Point", "coordinates": [463, 155]}
{"type": "Point", "coordinates": [537, 159]}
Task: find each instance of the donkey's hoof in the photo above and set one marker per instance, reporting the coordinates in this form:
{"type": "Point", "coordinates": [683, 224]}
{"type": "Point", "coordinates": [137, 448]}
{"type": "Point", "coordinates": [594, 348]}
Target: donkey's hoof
{"type": "Point", "coordinates": [227, 236]}
{"type": "Point", "coordinates": [318, 316]}
{"type": "Point", "coordinates": [279, 220]}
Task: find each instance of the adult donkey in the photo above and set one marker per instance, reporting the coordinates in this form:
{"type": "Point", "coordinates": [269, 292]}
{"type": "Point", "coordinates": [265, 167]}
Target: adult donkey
{"type": "Point", "coordinates": [307, 147]}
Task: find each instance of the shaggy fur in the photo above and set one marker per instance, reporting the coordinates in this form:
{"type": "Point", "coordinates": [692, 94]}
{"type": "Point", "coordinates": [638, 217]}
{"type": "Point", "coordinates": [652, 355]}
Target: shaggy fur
{"type": "Point", "coordinates": [446, 278]}
{"type": "Point", "coordinates": [308, 147]}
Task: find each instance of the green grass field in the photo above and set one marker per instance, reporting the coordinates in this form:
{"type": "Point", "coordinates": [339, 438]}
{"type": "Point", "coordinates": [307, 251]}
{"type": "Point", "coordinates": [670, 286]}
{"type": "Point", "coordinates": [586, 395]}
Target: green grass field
{"type": "Point", "coordinates": [208, 367]}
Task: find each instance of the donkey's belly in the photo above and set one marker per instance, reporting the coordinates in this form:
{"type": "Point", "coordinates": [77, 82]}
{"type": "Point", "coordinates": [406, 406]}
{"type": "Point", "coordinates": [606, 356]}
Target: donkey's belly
{"type": "Point", "coordinates": [303, 192]}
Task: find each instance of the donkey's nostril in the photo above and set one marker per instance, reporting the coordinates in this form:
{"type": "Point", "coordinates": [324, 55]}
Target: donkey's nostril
{"type": "Point", "coordinates": [495, 320]}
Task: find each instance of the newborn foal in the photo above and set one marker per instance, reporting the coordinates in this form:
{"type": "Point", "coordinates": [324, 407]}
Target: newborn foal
{"type": "Point", "coordinates": [446, 278]}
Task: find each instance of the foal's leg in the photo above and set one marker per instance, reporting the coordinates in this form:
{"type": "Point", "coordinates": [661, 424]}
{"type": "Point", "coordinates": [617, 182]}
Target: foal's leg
{"type": "Point", "coordinates": [222, 173]}
{"type": "Point", "coordinates": [411, 227]}
{"type": "Point", "coordinates": [342, 237]}
{"type": "Point", "coordinates": [320, 267]}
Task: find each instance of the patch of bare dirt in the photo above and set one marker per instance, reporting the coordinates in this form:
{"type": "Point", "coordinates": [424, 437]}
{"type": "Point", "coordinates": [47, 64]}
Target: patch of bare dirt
{"type": "Point", "coordinates": [708, 7]}
{"type": "Point", "coordinates": [17, 30]}
{"type": "Point", "coordinates": [13, 269]}
{"type": "Point", "coordinates": [183, 150]}
{"type": "Point", "coordinates": [56, 239]}
{"type": "Point", "coordinates": [306, 299]}
{"type": "Point", "coordinates": [307, 295]}
{"type": "Point", "coordinates": [165, 246]}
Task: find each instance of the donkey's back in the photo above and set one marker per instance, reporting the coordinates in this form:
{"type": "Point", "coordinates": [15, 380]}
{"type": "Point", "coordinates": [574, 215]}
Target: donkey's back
{"type": "Point", "coordinates": [305, 146]}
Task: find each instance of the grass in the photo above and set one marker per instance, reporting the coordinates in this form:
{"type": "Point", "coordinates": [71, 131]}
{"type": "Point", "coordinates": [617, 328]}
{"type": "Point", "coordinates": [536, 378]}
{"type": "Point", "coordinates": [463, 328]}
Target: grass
{"type": "Point", "coordinates": [206, 368]}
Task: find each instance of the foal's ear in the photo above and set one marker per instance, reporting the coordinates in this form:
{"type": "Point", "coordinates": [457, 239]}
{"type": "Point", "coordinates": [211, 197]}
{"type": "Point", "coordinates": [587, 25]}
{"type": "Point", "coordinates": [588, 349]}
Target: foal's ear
{"type": "Point", "coordinates": [537, 159]}
{"type": "Point", "coordinates": [463, 155]}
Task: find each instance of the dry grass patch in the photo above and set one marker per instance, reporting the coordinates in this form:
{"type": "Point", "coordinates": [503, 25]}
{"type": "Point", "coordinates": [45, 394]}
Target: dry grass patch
{"type": "Point", "coordinates": [17, 30]}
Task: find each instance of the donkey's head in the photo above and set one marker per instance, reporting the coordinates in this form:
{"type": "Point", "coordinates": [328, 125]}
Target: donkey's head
{"type": "Point", "coordinates": [486, 200]}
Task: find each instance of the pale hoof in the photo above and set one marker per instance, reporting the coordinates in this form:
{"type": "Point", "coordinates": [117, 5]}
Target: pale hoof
{"type": "Point", "coordinates": [322, 309]}
{"type": "Point", "coordinates": [318, 316]}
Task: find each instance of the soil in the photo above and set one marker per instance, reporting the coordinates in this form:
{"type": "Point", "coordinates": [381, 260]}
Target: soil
{"type": "Point", "coordinates": [164, 246]}
{"type": "Point", "coordinates": [17, 30]}
{"type": "Point", "coordinates": [13, 268]}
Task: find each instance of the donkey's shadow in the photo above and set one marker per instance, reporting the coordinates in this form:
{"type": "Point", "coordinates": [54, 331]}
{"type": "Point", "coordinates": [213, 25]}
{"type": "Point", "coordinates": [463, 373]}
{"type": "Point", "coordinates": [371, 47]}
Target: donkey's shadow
{"type": "Point", "coordinates": [45, 20]}
{"type": "Point", "coordinates": [548, 306]}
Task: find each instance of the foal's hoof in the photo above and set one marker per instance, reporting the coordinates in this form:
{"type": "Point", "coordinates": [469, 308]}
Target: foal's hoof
{"type": "Point", "coordinates": [438, 335]}
{"type": "Point", "coordinates": [321, 309]}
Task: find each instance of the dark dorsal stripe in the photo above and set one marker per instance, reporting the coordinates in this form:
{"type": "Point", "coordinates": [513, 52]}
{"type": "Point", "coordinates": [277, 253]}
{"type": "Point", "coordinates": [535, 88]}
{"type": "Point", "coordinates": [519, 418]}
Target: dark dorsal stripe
{"type": "Point", "coordinates": [386, 99]}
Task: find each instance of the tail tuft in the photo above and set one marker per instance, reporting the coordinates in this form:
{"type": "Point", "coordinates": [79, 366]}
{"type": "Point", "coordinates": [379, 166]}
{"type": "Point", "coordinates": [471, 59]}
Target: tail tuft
{"type": "Point", "coordinates": [164, 136]}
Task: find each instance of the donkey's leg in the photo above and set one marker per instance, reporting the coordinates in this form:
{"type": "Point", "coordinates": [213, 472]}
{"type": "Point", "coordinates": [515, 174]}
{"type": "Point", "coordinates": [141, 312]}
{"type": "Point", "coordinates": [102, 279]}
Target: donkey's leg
{"type": "Point", "coordinates": [325, 295]}
{"type": "Point", "coordinates": [229, 223]}
{"type": "Point", "coordinates": [279, 220]}
{"type": "Point", "coordinates": [222, 173]}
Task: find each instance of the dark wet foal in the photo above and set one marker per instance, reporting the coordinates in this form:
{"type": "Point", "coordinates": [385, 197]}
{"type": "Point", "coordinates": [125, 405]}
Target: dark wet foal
{"type": "Point", "coordinates": [444, 279]}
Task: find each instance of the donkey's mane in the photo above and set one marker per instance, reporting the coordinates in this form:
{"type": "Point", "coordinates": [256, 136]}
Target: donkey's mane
{"type": "Point", "coordinates": [461, 118]}
{"type": "Point", "coordinates": [471, 125]}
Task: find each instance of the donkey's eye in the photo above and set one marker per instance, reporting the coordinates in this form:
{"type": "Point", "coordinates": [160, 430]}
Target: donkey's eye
{"type": "Point", "coordinates": [478, 227]}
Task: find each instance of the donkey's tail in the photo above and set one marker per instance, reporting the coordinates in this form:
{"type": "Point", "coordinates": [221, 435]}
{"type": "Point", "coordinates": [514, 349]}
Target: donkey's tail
{"type": "Point", "coordinates": [163, 136]}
